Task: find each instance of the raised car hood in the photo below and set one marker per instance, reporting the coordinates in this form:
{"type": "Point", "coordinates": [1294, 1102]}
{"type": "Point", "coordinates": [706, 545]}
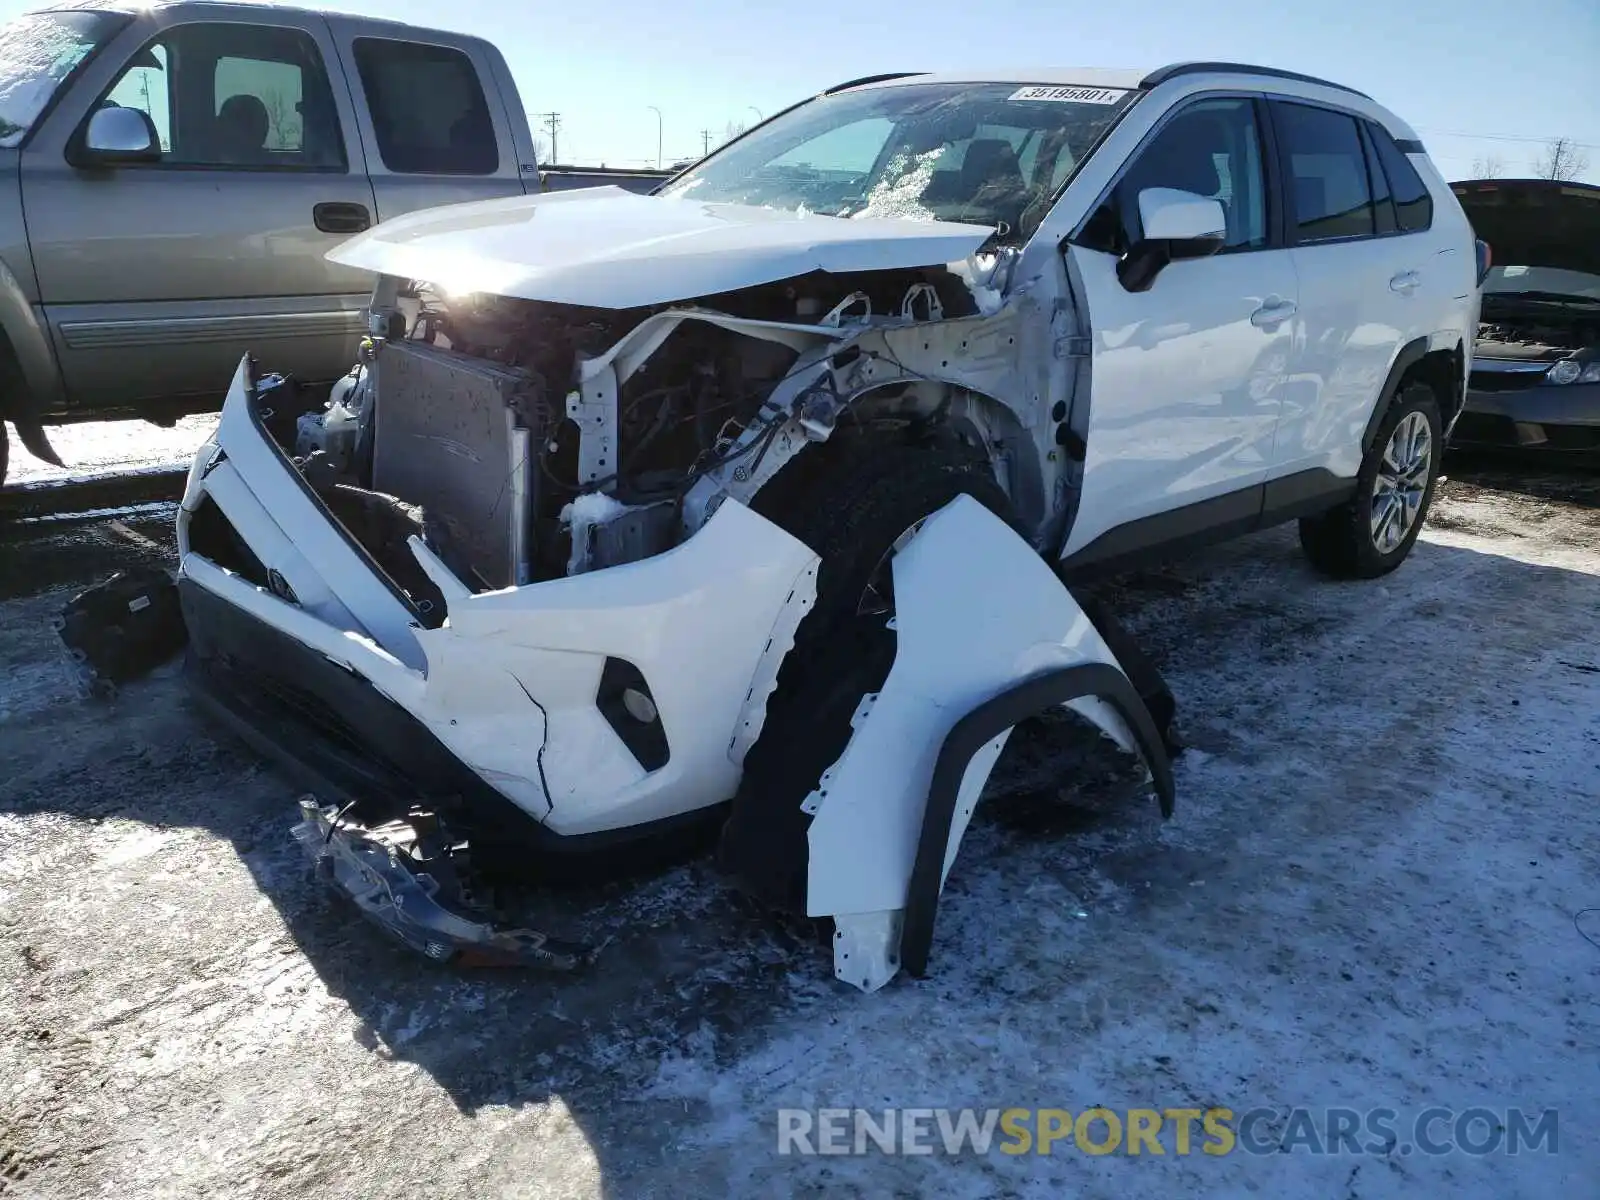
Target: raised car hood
{"type": "Point", "coordinates": [1535, 222]}
{"type": "Point", "coordinates": [607, 248]}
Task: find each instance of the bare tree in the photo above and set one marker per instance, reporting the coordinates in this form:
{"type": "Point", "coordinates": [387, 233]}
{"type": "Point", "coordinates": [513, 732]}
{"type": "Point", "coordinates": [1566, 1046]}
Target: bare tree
{"type": "Point", "coordinates": [733, 130]}
{"type": "Point", "coordinates": [1563, 159]}
{"type": "Point", "coordinates": [1490, 166]}
{"type": "Point", "coordinates": [283, 122]}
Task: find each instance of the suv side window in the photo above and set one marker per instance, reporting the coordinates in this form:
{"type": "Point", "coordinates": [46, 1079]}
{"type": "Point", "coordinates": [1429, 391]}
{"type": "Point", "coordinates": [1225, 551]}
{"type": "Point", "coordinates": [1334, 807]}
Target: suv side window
{"type": "Point", "coordinates": [428, 108]}
{"type": "Point", "coordinates": [235, 96]}
{"type": "Point", "coordinates": [1211, 148]}
{"type": "Point", "coordinates": [1326, 171]}
{"type": "Point", "coordinates": [1382, 198]}
{"type": "Point", "coordinates": [1413, 203]}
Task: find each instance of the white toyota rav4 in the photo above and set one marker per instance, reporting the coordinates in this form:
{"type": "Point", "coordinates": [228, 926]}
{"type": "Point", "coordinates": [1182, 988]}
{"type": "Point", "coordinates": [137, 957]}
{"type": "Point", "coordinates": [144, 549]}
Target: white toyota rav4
{"type": "Point", "coordinates": [752, 503]}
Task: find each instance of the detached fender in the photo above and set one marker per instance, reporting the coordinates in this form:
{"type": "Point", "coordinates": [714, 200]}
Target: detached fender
{"type": "Point", "coordinates": [986, 635]}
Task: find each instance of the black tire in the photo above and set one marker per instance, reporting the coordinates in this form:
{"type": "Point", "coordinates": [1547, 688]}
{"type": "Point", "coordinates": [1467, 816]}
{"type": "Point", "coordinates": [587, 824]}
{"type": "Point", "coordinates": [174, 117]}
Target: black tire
{"type": "Point", "coordinates": [5, 452]}
{"type": "Point", "coordinates": [1340, 542]}
{"type": "Point", "coordinates": [851, 511]}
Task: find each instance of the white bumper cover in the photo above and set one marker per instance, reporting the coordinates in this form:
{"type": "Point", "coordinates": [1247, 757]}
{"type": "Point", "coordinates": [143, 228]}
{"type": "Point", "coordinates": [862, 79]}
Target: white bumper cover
{"type": "Point", "coordinates": [509, 683]}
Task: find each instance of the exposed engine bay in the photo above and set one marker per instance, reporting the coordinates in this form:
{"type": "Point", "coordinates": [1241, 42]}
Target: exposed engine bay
{"type": "Point", "coordinates": [1518, 329]}
{"type": "Point", "coordinates": [527, 440]}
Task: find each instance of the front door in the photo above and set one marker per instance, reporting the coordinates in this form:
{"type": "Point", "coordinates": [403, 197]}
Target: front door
{"type": "Point", "coordinates": [1186, 377]}
{"type": "Point", "coordinates": [156, 277]}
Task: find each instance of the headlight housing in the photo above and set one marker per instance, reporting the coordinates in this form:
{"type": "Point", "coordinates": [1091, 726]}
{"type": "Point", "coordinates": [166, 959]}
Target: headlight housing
{"type": "Point", "coordinates": [1573, 370]}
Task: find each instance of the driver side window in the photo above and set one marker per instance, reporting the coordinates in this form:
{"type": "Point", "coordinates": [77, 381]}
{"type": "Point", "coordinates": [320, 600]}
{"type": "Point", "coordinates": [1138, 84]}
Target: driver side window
{"type": "Point", "coordinates": [234, 95]}
{"type": "Point", "coordinates": [1211, 148]}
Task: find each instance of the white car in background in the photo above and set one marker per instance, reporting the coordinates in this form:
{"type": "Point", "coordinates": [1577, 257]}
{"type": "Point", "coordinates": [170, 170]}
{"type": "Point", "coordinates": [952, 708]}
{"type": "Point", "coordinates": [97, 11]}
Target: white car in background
{"type": "Point", "coordinates": [751, 502]}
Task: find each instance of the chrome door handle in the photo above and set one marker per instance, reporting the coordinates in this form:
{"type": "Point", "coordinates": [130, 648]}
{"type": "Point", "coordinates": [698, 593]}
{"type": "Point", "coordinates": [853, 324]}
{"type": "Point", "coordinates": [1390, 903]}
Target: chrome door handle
{"type": "Point", "coordinates": [1273, 312]}
{"type": "Point", "coordinates": [1406, 281]}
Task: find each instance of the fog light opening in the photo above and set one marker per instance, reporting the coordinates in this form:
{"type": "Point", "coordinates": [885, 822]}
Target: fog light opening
{"type": "Point", "coordinates": [640, 707]}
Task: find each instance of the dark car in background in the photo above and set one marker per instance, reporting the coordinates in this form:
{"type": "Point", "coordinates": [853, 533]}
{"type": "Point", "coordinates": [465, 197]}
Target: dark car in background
{"type": "Point", "coordinates": [1535, 380]}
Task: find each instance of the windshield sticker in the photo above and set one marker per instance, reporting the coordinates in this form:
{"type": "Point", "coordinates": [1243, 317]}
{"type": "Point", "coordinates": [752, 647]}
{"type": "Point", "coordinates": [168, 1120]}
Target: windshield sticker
{"type": "Point", "coordinates": [1070, 95]}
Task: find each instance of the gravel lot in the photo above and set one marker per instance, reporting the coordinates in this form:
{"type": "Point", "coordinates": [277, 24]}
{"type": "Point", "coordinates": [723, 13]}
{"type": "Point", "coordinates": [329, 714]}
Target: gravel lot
{"type": "Point", "coordinates": [1371, 895]}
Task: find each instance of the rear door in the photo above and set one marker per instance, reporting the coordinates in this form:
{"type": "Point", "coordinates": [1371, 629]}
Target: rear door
{"type": "Point", "coordinates": [156, 277]}
{"type": "Point", "coordinates": [1187, 375]}
{"type": "Point", "coordinates": [1366, 282]}
{"type": "Point", "coordinates": [432, 116]}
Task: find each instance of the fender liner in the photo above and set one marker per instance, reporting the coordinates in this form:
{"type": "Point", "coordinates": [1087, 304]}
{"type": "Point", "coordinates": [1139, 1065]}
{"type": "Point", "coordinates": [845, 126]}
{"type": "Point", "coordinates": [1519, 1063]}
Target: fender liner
{"type": "Point", "coordinates": [1409, 356]}
{"type": "Point", "coordinates": [969, 734]}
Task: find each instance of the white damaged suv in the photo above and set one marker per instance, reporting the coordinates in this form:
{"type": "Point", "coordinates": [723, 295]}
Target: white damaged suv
{"type": "Point", "coordinates": [752, 503]}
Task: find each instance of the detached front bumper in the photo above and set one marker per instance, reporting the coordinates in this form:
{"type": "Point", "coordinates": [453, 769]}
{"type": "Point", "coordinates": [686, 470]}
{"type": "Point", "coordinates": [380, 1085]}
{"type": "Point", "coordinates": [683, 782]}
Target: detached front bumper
{"type": "Point", "coordinates": [305, 646]}
{"type": "Point", "coordinates": [331, 730]}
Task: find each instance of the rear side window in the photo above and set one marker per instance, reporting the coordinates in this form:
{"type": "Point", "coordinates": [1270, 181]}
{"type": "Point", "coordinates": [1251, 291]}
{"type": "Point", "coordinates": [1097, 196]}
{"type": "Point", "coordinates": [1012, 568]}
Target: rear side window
{"type": "Point", "coordinates": [1327, 173]}
{"type": "Point", "coordinates": [1382, 200]}
{"type": "Point", "coordinates": [428, 108]}
{"type": "Point", "coordinates": [1413, 203]}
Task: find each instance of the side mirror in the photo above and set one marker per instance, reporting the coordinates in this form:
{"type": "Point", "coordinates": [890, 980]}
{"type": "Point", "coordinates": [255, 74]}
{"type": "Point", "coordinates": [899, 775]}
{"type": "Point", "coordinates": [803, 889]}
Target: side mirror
{"type": "Point", "coordinates": [1177, 225]}
{"type": "Point", "coordinates": [120, 135]}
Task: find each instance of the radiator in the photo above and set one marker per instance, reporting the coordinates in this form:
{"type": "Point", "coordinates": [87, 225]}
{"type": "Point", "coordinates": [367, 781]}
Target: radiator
{"type": "Point", "coordinates": [449, 437]}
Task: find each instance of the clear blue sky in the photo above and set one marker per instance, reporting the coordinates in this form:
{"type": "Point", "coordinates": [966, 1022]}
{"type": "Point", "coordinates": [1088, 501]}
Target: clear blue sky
{"type": "Point", "coordinates": [1475, 77]}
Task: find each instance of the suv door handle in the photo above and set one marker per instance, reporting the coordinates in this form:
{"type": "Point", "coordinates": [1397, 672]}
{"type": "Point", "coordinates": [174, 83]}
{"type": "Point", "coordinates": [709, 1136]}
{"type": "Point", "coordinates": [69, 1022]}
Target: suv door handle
{"type": "Point", "coordinates": [1406, 281]}
{"type": "Point", "coordinates": [338, 216]}
{"type": "Point", "coordinates": [1274, 311]}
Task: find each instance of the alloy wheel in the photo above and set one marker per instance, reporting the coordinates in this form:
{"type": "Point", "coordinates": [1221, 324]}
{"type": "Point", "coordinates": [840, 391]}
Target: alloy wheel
{"type": "Point", "coordinates": [1401, 483]}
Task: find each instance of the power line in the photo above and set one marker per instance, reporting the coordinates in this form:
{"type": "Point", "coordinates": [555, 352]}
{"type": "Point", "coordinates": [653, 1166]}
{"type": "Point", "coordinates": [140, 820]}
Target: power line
{"type": "Point", "coordinates": [1502, 137]}
{"type": "Point", "coordinates": [705, 141]}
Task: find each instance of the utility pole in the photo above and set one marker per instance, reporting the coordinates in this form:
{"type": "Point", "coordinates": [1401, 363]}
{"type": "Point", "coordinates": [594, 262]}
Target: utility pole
{"type": "Point", "coordinates": [657, 112]}
{"type": "Point", "coordinates": [705, 142]}
{"type": "Point", "coordinates": [552, 122]}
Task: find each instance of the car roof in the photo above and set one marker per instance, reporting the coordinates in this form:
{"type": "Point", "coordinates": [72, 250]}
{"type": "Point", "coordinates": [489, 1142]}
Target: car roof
{"type": "Point", "coordinates": [1124, 78]}
{"type": "Point", "coordinates": [243, 8]}
{"type": "Point", "coordinates": [1245, 75]}
{"type": "Point", "coordinates": [1491, 184]}
{"type": "Point", "coordinates": [137, 6]}
{"type": "Point", "coordinates": [1100, 77]}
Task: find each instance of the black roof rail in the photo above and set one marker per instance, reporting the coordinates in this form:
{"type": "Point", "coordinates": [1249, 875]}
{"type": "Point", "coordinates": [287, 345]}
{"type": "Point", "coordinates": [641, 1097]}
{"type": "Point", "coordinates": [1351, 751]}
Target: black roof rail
{"type": "Point", "coordinates": [866, 79]}
{"type": "Point", "coordinates": [1207, 68]}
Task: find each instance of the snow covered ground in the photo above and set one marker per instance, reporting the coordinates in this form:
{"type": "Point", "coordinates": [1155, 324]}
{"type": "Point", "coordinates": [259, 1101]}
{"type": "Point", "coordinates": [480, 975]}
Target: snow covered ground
{"type": "Point", "coordinates": [1371, 897]}
{"type": "Point", "coordinates": [101, 447]}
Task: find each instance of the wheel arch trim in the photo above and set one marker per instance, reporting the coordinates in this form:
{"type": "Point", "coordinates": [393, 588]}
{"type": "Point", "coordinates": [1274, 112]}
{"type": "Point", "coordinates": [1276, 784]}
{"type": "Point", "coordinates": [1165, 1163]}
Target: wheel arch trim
{"type": "Point", "coordinates": [990, 719]}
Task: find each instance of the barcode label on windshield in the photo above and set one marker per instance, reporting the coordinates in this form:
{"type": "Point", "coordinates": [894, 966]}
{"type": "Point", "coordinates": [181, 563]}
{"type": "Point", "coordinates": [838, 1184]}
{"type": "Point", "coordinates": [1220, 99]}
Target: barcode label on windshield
{"type": "Point", "coordinates": [1070, 95]}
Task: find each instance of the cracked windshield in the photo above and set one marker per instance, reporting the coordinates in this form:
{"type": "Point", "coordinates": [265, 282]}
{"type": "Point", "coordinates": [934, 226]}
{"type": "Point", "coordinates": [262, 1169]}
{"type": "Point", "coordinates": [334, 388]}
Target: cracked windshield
{"type": "Point", "coordinates": [983, 154]}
